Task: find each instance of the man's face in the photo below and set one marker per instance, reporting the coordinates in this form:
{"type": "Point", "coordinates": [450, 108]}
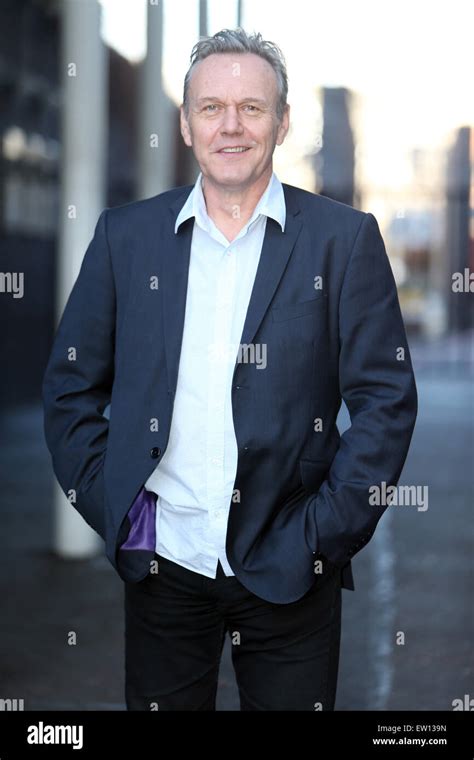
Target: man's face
{"type": "Point", "coordinates": [232, 103]}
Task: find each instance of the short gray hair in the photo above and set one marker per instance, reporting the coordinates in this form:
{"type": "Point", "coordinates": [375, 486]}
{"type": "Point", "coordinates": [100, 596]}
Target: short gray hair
{"type": "Point", "coordinates": [238, 41]}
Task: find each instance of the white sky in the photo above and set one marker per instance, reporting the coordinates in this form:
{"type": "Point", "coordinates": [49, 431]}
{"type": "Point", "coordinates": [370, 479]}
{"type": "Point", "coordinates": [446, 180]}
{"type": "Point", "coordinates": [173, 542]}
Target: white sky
{"type": "Point", "coordinates": [409, 62]}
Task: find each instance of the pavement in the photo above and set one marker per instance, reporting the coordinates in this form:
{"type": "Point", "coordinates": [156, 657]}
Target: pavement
{"type": "Point", "coordinates": [407, 629]}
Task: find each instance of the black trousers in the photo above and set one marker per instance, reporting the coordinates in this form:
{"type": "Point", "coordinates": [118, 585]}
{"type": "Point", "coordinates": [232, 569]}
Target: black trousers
{"type": "Point", "coordinates": [285, 656]}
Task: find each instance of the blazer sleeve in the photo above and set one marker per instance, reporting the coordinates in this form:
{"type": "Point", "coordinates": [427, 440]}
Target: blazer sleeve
{"type": "Point", "coordinates": [78, 380]}
{"type": "Point", "coordinates": [378, 386]}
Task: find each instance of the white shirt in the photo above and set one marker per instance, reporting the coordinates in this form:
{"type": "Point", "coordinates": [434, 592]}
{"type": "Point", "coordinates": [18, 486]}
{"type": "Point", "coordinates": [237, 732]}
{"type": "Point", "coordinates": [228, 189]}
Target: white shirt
{"type": "Point", "coordinates": [195, 478]}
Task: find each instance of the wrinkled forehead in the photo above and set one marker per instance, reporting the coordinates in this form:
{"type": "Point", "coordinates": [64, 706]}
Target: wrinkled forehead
{"type": "Point", "coordinates": [235, 75]}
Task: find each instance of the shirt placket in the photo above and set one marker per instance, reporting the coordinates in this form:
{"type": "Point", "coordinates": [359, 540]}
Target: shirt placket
{"type": "Point", "coordinates": [219, 357]}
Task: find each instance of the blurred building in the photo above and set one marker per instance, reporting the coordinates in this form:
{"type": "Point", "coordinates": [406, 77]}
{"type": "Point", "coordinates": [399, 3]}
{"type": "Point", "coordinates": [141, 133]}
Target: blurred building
{"type": "Point", "coordinates": [334, 163]}
{"type": "Point", "coordinates": [30, 155]}
{"type": "Point", "coordinates": [460, 228]}
{"type": "Point", "coordinates": [432, 237]}
{"type": "Point", "coordinates": [29, 175]}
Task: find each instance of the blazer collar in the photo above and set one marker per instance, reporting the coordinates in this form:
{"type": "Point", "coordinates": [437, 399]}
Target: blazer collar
{"type": "Point", "coordinates": [271, 204]}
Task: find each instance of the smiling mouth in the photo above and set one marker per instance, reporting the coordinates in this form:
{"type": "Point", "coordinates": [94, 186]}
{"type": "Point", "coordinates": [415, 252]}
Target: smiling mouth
{"type": "Point", "coordinates": [230, 151]}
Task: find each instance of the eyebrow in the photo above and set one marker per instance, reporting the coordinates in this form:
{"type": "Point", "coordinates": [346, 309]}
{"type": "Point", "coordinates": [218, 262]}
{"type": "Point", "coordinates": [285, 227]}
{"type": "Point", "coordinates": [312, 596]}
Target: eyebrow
{"type": "Point", "coordinates": [200, 101]}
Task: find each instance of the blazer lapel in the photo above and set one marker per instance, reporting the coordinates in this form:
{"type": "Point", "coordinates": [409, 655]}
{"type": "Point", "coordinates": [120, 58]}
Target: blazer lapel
{"type": "Point", "coordinates": [174, 281]}
{"type": "Point", "coordinates": [276, 250]}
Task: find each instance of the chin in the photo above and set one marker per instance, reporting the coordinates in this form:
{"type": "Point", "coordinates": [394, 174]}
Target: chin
{"type": "Point", "coordinates": [229, 174]}
{"type": "Point", "coordinates": [234, 171]}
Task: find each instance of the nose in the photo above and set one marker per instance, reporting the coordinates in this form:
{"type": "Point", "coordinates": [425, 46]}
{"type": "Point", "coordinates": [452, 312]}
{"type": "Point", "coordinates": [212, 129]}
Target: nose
{"type": "Point", "coordinates": [231, 121]}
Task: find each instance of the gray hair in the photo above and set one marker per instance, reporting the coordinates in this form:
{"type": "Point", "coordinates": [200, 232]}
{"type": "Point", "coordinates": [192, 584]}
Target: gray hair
{"type": "Point", "coordinates": [238, 41]}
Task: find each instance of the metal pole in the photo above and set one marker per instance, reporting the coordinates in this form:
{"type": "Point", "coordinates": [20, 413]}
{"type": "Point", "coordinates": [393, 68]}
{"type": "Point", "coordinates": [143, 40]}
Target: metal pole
{"type": "Point", "coordinates": [203, 24]}
{"type": "Point", "coordinates": [240, 11]}
{"type": "Point", "coordinates": [157, 115]}
{"type": "Point", "coordinates": [84, 123]}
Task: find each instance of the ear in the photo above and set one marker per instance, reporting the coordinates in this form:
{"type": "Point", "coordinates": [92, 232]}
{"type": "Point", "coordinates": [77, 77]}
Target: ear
{"type": "Point", "coordinates": [185, 130]}
{"type": "Point", "coordinates": [284, 126]}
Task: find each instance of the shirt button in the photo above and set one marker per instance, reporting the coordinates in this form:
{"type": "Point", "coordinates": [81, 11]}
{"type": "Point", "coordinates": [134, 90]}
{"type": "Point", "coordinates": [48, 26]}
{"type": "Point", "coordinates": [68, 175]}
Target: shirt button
{"type": "Point", "coordinates": [155, 452]}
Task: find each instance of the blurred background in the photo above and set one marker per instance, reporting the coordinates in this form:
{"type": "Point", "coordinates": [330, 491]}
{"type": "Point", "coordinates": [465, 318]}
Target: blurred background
{"type": "Point", "coordinates": [382, 110]}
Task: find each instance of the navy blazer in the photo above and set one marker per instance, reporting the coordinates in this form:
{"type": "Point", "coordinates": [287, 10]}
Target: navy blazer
{"type": "Point", "coordinates": [325, 304]}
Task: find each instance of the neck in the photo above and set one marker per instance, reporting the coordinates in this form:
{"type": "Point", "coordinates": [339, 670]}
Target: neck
{"type": "Point", "coordinates": [233, 206]}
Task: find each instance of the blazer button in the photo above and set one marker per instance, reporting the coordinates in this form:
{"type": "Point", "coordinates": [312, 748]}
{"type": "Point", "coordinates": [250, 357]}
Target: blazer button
{"type": "Point", "coordinates": [155, 452]}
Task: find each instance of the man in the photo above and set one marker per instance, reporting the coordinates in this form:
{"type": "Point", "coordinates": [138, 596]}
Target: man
{"type": "Point", "coordinates": [223, 323]}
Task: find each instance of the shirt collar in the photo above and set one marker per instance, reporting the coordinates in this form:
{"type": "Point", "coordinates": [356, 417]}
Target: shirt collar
{"type": "Point", "coordinates": [271, 204]}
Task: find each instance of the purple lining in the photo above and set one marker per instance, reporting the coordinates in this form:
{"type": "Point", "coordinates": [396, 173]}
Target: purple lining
{"type": "Point", "coordinates": [142, 518]}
